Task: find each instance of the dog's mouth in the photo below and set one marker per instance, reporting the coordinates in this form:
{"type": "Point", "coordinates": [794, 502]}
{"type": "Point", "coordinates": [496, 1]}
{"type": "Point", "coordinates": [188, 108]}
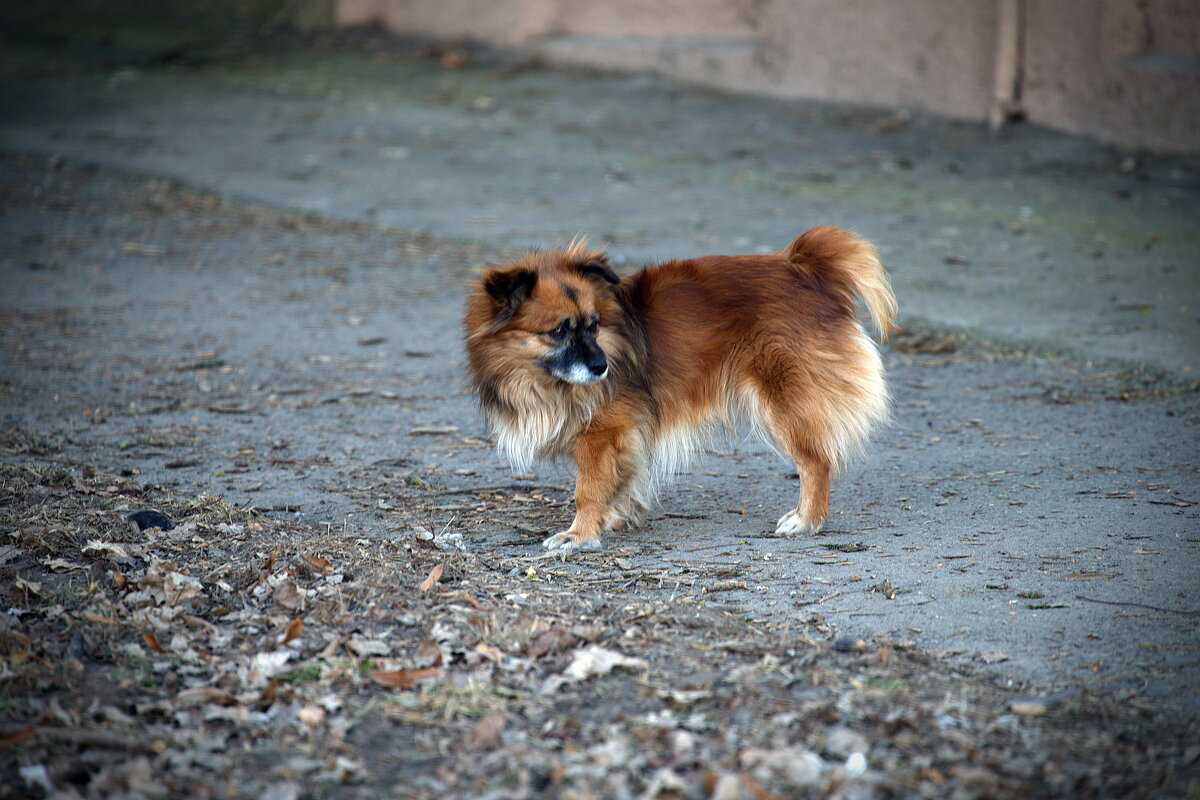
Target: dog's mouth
{"type": "Point", "coordinates": [578, 361]}
{"type": "Point", "coordinates": [578, 373]}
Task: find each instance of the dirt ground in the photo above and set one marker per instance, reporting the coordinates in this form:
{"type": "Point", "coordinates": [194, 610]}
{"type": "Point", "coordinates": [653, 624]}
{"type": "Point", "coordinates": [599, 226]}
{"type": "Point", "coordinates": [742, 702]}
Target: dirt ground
{"type": "Point", "coordinates": [349, 599]}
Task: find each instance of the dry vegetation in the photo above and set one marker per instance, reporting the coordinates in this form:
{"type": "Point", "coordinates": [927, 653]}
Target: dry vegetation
{"type": "Point", "coordinates": [236, 655]}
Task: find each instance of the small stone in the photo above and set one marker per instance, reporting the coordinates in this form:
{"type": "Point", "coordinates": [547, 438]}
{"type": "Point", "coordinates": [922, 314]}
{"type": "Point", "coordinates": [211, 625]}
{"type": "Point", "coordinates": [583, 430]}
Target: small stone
{"type": "Point", "coordinates": [788, 768]}
{"type": "Point", "coordinates": [842, 743]}
{"type": "Point", "coordinates": [848, 644]}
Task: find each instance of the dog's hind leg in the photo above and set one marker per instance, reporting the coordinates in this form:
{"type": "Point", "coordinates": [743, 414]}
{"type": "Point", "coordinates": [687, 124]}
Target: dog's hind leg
{"type": "Point", "coordinates": [788, 421]}
{"type": "Point", "coordinates": [812, 509]}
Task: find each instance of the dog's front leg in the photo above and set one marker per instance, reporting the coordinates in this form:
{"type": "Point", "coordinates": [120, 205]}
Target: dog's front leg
{"type": "Point", "coordinates": [604, 457]}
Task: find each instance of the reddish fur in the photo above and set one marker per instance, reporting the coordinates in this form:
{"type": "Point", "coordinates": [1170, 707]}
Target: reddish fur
{"type": "Point", "coordinates": [690, 342]}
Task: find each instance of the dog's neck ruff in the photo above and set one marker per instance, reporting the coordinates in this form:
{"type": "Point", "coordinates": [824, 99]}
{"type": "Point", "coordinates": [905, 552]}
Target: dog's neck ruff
{"type": "Point", "coordinates": [540, 422]}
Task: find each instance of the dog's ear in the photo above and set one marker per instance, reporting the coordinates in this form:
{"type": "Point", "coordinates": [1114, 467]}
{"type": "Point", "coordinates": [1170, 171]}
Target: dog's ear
{"type": "Point", "coordinates": [508, 288]}
{"type": "Point", "coordinates": [596, 266]}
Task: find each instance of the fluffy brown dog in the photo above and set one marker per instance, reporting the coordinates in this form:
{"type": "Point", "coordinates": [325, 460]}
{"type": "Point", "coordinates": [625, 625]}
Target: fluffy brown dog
{"type": "Point", "coordinates": [629, 375]}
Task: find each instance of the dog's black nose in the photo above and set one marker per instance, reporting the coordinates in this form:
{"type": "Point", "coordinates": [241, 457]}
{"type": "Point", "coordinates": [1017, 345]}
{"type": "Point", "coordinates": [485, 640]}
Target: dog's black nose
{"type": "Point", "coordinates": [599, 366]}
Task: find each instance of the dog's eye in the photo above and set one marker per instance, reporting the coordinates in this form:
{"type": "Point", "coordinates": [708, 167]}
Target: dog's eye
{"type": "Point", "coordinates": [561, 331]}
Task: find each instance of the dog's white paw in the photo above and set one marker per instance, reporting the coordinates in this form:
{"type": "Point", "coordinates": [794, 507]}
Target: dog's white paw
{"type": "Point", "coordinates": [791, 524]}
{"type": "Point", "coordinates": [569, 542]}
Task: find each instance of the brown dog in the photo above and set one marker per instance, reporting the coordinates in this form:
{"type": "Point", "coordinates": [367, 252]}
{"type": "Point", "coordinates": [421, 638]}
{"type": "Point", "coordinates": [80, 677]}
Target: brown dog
{"type": "Point", "coordinates": [628, 376]}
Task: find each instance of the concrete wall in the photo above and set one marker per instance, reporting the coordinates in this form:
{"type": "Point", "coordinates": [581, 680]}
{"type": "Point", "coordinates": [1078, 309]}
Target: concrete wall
{"type": "Point", "coordinates": [1123, 71]}
{"type": "Point", "coordinates": [1126, 72]}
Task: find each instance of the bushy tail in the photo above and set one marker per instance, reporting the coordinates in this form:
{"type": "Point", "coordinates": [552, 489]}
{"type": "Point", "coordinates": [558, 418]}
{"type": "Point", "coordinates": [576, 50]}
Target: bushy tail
{"type": "Point", "coordinates": [847, 265]}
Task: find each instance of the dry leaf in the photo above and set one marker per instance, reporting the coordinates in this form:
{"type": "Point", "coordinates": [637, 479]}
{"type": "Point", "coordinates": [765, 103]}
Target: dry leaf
{"type": "Point", "coordinates": [593, 660]}
{"type": "Point", "coordinates": [203, 696]}
{"type": "Point", "coordinates": [294, 629]}
{"type": "Point", "coordinates": [62, 565]}
{"type": "Point", "coordinates": [152, 642]}
{"type": "Point", "coordinates": [288, 596]}
{"type": "Point", "coordinates": [178, 588]}
{"type": "Point", "coordinates": [493, 654]}
{"type": "Point", "coordinates": [105, 549]}
{"type": "Point", "coordinates": [264, 666]}
{"type": "Point", "coordinates": [460, 596]}
{"type": "Point", "coordinates": [90, 617]}
{"type": "Point", "coordinates": [487, 733]}
{"type": "Point", "coordinates": [27, 586]}
{"type": "Point", "coordinates": [429, 654]}
{"type": "Point", "coordinates": [552, 641]}
{"type": "Point", "coordinates": [403, 678]}
{"type": "Point", "coordinates": [433, 577]}
{"type": "Point", "coordinates": [17, 735]}
{"type": "Point", "coordinates": [316, 564]}
{"type": "Point", "coordinates": [367, 648]}
{"type": "Point", "coordinates": [313, 717]}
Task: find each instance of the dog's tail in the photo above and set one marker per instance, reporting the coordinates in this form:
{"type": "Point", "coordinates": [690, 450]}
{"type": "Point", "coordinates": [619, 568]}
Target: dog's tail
{"type": "Point", "coordinates": [848, 265]}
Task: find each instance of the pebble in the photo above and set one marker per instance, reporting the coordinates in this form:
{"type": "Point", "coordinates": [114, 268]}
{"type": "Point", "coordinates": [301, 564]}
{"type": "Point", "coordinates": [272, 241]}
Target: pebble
{"type": "Point", "coordinates": [842, 743]}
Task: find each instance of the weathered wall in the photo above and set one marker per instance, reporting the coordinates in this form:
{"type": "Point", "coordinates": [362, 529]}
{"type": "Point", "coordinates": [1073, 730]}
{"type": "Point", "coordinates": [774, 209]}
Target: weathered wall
{"type": "Point", "coordinates": [1124, 71]}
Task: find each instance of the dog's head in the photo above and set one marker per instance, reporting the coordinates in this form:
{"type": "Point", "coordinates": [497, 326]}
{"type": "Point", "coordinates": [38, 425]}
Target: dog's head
{"type": "Point", "coordinates": [547, 309]}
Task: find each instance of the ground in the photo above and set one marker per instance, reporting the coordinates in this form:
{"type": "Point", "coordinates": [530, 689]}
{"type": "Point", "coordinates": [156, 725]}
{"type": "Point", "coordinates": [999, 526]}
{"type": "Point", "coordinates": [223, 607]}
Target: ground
{"type": "Point", "coordinates": [345, 596]}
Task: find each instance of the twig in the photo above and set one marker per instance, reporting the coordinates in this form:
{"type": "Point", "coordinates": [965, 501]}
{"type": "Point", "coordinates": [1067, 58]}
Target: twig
{"type": "Point", "coordinates": [497, 488]}
{"type": "Point", "coordinates": [1136, 605]}
{"type": "Point", "coordinates": [822, 600]}
{"type": "Point", "coordinates": [86, 738]}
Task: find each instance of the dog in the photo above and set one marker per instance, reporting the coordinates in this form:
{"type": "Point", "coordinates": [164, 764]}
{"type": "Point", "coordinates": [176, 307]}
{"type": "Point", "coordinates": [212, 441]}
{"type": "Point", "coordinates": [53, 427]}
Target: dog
{"type": "Point", "coordinates": [629, 375]}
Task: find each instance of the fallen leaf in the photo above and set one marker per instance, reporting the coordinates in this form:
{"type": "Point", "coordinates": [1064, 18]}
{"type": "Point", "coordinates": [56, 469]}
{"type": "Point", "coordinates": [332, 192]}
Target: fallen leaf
{"type": "Point", "coordinates": [17, 735]}
{"type": "Point", "coordinates": [313, 717]}
{"type": "Point", "coordinates": [493, 654]}
{"type": "Point", "coordinates": [428, 654]}
{"type": "Point", "coordinates": [590, 661]}
{"type": "Point", "coordinates": [683, 698]}
{"type": "Point", "coordinates": [366, 648]}
{"type": "Point", "coordinates": [62, 565]}
{"type": "Point", "coordinates": [316, 564]}
{"type": "Point", "coordinates": [264, 666]}
{"type": "Point", "coordinates": [487, 732]}
{"type": "Point", "coordinates": [403, 678]}
{"type": "Point", "coordinates": [1028, 707]}
{"type": "Point", "coordinates": [461, 596]}
{"type": "Point", "coordinates": [8, 552]}
{"type": "Point", "coordinates": [152, 642]}
{"type": "Point", "coordinates": [105, 549]}
{"type": "Point", "coordinates": [433, 577]}
{"type": "Point", "coordinates": [288, 596]}
{"type": "Point", "coordinates": [178, 588]}
{"type": "Point", "coordinates": [552, 641]}
{"type": "Point", "coordinates": [27, 586]}
{"type": "Point", "coordinates": [203, 696]}
{"type": "Point", "coordinates": [294, 629]}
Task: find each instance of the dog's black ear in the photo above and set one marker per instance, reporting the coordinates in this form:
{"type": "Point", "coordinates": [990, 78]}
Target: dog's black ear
{"type": "Point", "coordinates": [509, 288]}
{"type": "Point", "coordinates": [597, 267]}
